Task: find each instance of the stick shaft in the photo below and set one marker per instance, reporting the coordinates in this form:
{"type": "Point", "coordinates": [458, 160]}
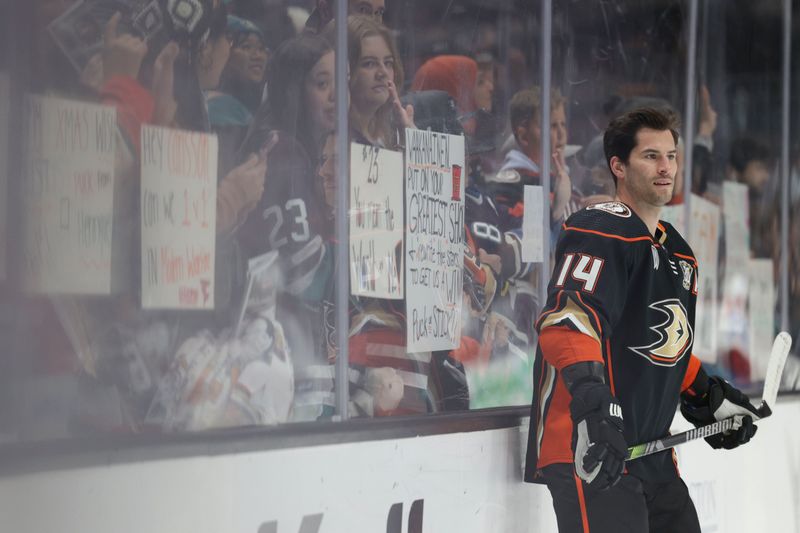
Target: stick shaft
{"type": "Point", "coordinates": [648, 448]}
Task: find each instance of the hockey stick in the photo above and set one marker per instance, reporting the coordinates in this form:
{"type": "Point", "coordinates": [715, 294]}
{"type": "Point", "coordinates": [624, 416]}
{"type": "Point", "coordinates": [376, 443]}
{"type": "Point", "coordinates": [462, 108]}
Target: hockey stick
{"type": "Point", "coordinates": [772, 382]}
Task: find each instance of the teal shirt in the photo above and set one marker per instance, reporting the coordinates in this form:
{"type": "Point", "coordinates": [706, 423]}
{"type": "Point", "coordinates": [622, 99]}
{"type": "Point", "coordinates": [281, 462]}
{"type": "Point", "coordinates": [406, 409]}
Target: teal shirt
{"type": "Point", "coordinates": [225, 110]}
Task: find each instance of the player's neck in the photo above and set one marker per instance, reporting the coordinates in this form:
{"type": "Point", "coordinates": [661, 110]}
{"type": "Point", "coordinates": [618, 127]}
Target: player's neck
{"type": "Point", "coordinates": [648, 213]}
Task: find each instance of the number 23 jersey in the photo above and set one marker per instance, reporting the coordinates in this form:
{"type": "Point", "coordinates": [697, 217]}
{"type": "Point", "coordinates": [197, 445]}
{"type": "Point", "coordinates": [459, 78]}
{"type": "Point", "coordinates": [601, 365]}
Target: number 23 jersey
{"type": "Point", "coordinates": [623, 297]}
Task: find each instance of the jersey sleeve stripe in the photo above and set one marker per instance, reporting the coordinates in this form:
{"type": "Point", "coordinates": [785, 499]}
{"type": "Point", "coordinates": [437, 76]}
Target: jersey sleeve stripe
{"type": "Point", "coordinates": [545, 313]}
{"type": "Point", "coordinates": [610, 367]}
{"type": "Point", "coordinates": [594, 313]}
{"type": "Point", "coordinates": [546, 390]}
{"type": "Point", "coordinates": [691, 372]}
{"type": "Point", "coordinates": [683, 256]}
{"type": "Point", "coordinates": [573, 316]}
{"type": "Point", "coordinates": [562, 346]}
{"type": "Point", "coordinates": [609, 235]}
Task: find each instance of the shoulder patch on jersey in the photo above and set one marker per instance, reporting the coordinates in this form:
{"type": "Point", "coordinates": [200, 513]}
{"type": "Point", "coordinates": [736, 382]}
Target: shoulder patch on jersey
{"type": "Point", "coordinates": [615, 208]}
{"type": "Point", "coordinates": [687, 271]}
{"type": "Point", "coordinates": [508, 175]}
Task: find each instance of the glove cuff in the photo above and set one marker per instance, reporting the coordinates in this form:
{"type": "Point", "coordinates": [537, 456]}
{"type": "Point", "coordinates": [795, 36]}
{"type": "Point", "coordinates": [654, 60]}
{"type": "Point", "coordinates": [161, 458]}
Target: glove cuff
{"type": "Point", "coordinates": [578, 373]}
{"type": "Point", "coordinates": [696, 392]}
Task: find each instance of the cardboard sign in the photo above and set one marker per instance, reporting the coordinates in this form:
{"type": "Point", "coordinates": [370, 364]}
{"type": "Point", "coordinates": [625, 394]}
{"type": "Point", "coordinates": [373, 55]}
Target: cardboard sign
{"type": "Point", "coordinates": [704, 240]}
{"type": "Point", "coordinates": [533, 225]}
{"type": "Point", "coordinates": [434, 185]}
{"type": "Point", "coordinates": [376, 222]}
{"type": "Point", "coordinates": [761, 315]}
{"type": "Point", "coordinates": [737, 228]}
{"type": "Point", "coordinates": [179, 212]}
{"type": "Point", "coordinates": [68, 196]}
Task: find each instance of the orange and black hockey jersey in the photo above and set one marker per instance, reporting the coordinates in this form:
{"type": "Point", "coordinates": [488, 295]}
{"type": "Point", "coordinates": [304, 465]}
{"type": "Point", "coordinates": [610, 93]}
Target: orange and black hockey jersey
{"type": "Point", "coordinates": [626, 298]}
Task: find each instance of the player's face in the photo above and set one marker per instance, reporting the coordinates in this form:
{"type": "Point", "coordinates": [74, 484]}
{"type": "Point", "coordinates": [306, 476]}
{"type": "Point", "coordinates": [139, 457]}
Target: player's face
{"type": "Point", "coordinates": [368, 88]}
{"type": "Point", "coordinates": [648, 178]}
{"type": "Point", "coordinates": [320, 94]}
{"type": "Point", "coordinates": [371, 8]}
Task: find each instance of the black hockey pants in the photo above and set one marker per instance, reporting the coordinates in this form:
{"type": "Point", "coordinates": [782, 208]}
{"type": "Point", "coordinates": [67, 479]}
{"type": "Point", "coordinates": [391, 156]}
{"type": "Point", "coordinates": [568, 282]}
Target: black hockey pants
{"type": "Point", "coordinates": [630, 506]}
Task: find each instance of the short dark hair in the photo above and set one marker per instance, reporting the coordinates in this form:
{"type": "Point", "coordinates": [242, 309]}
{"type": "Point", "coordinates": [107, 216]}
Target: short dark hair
{"type": "Point", "coordinates": [620, 136]}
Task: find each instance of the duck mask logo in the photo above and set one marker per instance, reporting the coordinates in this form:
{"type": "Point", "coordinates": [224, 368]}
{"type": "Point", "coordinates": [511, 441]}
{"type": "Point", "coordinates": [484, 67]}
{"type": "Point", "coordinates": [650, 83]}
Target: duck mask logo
{"type": "Point", "coordinates": [674, 335]}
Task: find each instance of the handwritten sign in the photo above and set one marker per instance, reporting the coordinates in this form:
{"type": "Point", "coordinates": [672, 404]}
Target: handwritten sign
{"type": "Point", "coordinates": [533, 225]}
{"type": "Point", "coordinates": [761, 314]}
{"type": "Point", "coordinates": [5, 118]}
{"type": "Point", "coordinates": [68, 196]}
{"type": "Point", "coordinates": [434, 185]}
{"type": "Point", "coordinates": [376, 222]}
{"type": "Point", "coordinates": [704, 240]}
{"type": "Point", "coordinates": [178, 205]}
{"type": "Point", "coordinates": [736, 212]}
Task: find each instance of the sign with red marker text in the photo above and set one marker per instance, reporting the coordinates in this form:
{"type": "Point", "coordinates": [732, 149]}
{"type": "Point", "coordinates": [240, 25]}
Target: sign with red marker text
{"type": "Point", "coordinates": [376, 222]}
{"type": "Point", "coordinates": [434, 182]}
{"type": "Point", "coordinates": [179, 208]}
{"type": "Point", "coordinates": [67, 196]}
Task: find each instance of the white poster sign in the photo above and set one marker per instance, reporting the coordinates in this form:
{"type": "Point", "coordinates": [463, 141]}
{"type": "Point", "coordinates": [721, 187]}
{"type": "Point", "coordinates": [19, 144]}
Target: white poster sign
{"type": "Point", "coordinates": [704, 240]}
{"type": "Point", "coordinates": [761, 311]}
{"type": "Point", "coordinates": [434, 184]}
{"type": "Point", "coordinates": [376, 222]}
{"type": "Point", "coordinates": [178, 205]}
{"type": "Point", "coordinates": [68, 196]}
{"type": "Point", "coordinates": [736, 213]}
{"type": "Point", "coordinates": [5, 119]}
{"type": "Point", "coordinates": [533, 225]}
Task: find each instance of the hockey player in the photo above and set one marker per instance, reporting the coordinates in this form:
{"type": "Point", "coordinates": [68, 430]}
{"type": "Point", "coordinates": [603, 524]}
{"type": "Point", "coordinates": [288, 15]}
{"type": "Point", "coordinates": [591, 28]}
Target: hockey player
{"type": "Point", "coordinates": [615, 342]}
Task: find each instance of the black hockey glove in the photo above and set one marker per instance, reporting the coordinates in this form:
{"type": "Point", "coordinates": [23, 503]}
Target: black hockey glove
{"type": "Point", "coordinates": [598, 444]}
{"type": "Point", "coordinates": [711, 399]}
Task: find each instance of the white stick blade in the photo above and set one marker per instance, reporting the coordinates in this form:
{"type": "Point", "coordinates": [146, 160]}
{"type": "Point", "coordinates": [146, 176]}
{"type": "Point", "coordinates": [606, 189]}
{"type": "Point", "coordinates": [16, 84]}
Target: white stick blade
{"type": "Point", "coordinates": [777, 359]}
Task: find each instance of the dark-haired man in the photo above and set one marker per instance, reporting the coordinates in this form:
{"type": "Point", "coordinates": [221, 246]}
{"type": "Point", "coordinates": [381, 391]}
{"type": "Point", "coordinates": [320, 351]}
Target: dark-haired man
{"type": "Point", "coordinates": [615, 343]}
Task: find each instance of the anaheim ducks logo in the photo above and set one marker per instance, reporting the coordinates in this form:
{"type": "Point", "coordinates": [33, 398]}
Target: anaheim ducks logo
{"type": "Point", "coordinates": [674, 335]}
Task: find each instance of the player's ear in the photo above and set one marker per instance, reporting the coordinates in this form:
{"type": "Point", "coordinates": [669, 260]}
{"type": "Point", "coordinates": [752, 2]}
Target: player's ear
{"type": "Point", "coordinates": [617, 167]}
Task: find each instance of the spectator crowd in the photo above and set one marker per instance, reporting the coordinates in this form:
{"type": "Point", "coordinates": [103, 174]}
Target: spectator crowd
{"type": "Point", "coordinates": [261, 77]}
